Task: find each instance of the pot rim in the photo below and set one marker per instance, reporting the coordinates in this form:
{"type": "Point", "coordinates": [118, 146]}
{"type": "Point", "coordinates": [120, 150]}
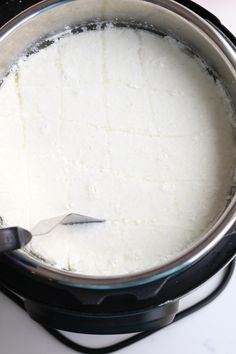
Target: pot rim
{"type": "Point", "coordinates": [208, 240]}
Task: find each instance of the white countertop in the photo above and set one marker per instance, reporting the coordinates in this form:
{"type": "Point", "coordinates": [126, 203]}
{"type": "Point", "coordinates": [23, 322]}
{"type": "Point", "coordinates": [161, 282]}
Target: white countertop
{"type": "Point", "coordinates": [209, 331]}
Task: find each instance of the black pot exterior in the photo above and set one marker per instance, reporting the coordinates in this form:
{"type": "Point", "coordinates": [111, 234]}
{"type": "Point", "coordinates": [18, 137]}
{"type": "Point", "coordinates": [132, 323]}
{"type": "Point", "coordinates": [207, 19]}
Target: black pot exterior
{"type": "Point", "coordinates": [133, 309]}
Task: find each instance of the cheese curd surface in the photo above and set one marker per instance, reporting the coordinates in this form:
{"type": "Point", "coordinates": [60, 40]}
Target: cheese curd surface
{"type": "Point", "coordinates": [119, 124]}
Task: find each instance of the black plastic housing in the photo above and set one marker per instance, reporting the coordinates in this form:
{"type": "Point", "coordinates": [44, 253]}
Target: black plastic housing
{"type": "Point", "coordinates": [112, 311]}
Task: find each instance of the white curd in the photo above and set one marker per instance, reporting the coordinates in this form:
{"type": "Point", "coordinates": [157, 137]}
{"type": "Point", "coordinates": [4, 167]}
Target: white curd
{"type": "Point", "coordinates": [117, 124]}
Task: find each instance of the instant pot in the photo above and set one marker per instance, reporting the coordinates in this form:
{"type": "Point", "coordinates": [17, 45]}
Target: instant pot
{"type": "Point", "coordinates": [148, 300]}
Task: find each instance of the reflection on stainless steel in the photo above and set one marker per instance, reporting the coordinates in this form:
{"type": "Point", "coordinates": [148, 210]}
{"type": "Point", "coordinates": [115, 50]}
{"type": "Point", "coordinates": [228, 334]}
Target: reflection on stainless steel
{"type": "Point", "coordinates": [43, 227]}
{"type": "Point", "coordinates": [51, 17]}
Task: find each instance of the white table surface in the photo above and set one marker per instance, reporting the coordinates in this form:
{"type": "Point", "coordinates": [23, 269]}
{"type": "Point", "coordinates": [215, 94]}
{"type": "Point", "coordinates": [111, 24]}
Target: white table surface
{"type": "Point", "coordinates": [211, 330]}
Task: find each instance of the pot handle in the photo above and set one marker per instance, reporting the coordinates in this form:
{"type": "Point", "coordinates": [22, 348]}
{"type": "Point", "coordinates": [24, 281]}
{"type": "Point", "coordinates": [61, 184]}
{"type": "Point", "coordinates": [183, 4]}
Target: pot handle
{"type": "Point", "coordinates": [12, 238]}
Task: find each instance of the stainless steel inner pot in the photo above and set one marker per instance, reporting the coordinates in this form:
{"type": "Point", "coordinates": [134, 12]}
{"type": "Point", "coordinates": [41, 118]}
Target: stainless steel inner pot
{"type": "Point", "coordinates": [50, 17]}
